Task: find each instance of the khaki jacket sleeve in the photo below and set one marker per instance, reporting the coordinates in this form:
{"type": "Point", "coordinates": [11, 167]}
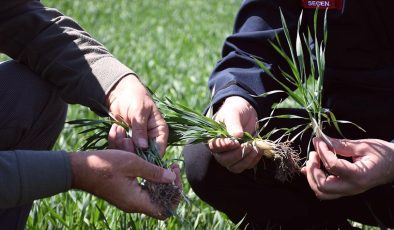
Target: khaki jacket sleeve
{"type": "Point", "coordinates": [56, 48]}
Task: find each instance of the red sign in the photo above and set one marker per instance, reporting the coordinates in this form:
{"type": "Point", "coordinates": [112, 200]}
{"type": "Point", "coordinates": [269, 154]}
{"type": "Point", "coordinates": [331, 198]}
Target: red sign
{"type": "Point", "coordinates": [323, 4]}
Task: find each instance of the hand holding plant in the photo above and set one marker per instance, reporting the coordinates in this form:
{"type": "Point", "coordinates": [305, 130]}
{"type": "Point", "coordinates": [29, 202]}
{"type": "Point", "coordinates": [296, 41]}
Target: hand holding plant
{"type": "Point", "coordinates": [112, 175]}
{"type": "Point", "coordinates": [131, 102]}
{"type": "Point", "coordinates": [372, 165]}
{"type": "Point", "coordinates": [238, 116]}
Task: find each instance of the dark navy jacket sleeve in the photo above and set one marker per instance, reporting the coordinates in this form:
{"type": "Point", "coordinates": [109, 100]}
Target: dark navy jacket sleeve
{"type": "Point", "coordinates": [257, 22]}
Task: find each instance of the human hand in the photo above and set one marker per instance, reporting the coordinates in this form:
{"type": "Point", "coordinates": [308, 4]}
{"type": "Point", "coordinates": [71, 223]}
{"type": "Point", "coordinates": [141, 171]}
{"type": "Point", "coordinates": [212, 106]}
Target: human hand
{"type": "Point", "coordinates": [239, 117]}
{"type": "Point", "coordinates": [372, 165]}
{"type": "Point", "coordinates": [117, 139]}
{"type": "Point", "coordinates": [130, 101]}
{"type": "Point", "coordinates": [112, 176]}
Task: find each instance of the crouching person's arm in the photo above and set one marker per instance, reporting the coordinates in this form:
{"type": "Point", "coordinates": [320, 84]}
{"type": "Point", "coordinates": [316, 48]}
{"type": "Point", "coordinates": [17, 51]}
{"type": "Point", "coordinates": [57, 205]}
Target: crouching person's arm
{"type": "Point", "coordinates": [108, 174]}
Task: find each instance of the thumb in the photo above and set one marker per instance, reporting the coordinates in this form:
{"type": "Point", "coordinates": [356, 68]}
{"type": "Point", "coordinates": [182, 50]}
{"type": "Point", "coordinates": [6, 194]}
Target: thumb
{"type": "Point", "coordinates": [234, 126]}
{"type": "Point", "coordinates": [342, 147]}
{"type": "Point", "coordinates": [153, 172]}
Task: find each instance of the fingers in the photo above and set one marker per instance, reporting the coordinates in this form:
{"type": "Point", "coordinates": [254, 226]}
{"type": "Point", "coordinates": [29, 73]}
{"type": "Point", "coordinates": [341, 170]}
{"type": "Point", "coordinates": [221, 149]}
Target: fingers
{"type": "Point", "coordinates": [325, 186]}
{"type": "Point", "coordinates": [112, 137]}
{"type": "Point", "coordinates": [316, 176]}
{"type": "Point", "coordinates": [117, 139]}
{"type": "Point", "coordinates": [223, 145]}
{"type": "Point", "coordinates": [238, 116]}
{"type": "Point", "coordinates": [342, 147]}
{"type": "Point", "coordinates": [239, 159]}
{"type": "Point", "coordinates": [139, 126]}
{"type": "Point", "coordinates": [178, 181]}
{"type": "Point", "coordinates": [333, 164]}
{"type": "Point", "coordinates": [130, 102]}
{"type": "Point", "coordinates": [228, 158]}
{"type": "Point", "coordinates": [249, 160]}
{"type": "Point", "coordinates": [312, 169]}
{"type": "Point", "coordinates": [139, 201]}
{"type": "Point", "coordinates": [234, 126]}
{"type": "Point", "coordinates": [158, 129]}
{"type": "Point", "coordinates": [143, 202]}
{"type": "Point", "coordinates": [151, 172]}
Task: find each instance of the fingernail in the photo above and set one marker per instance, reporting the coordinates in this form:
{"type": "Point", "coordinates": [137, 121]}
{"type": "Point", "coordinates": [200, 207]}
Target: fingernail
{"type": "Point", "coordinates": [169, 176]}
{"type": "Point", "coordinates": [232, 140]}
{"type": "Point", "coordinates": [142, 143]}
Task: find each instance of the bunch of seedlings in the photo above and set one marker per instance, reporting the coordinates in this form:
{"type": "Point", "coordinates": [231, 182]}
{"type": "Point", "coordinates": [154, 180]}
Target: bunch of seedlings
{"type": "Point", "coordinates": [166, 196]}
{"type": "Point", "coordinates": [189, 126]}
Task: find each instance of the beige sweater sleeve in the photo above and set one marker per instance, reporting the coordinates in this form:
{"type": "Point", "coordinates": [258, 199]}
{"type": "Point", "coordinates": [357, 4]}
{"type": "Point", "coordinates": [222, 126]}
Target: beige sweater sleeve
{"type": "Point", "coordinates": [56, 48]}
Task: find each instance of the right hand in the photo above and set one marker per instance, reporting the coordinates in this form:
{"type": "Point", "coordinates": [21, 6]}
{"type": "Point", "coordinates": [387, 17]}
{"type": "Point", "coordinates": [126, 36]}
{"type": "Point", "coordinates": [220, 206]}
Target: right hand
{"type": "Point", "coordinates": [239, 117]}
{"type": "Point", "coordinates": [372, 165]}
{"type": "Point", "coordinates": [112, 176]}
{"type": "Point", "coordinates": [131, 102]}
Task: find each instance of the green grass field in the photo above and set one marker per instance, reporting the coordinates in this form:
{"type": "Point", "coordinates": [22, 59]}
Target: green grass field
{"type": "Point", "coordinates": [172, 45]}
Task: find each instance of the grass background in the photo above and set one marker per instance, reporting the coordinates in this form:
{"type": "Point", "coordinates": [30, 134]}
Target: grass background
{"type": "Point", "coordinates": [173, 46]}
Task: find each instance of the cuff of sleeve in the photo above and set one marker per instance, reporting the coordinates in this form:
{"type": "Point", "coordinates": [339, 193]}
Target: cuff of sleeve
{"type": "Point", "coordinates": [108, 71]}
{"type": "Point", "coordinates": [43, 174]}
{"type": "Point", "coordinates": [232, 90]}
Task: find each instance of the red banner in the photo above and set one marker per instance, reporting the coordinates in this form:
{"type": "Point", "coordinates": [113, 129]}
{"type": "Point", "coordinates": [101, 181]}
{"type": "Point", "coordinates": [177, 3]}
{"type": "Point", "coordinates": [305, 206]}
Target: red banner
{"type": "Point", "coordinates": [323, 4]}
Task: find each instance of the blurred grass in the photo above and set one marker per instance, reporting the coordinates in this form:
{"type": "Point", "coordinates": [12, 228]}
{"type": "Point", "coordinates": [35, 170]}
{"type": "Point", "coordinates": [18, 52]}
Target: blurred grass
{"type": "Point", "coordinates": [173, 46]}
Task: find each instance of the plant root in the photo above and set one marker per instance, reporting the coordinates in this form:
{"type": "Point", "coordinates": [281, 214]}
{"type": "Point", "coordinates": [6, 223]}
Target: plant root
{"type": "Point", "coordinates": [286, 159]}
{"type": "Point", "coordinates": [166, 196]}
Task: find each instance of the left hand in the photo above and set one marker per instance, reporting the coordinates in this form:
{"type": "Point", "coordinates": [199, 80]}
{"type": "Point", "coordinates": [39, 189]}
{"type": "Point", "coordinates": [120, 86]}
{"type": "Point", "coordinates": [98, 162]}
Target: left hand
{"type": "Point", "coordinates": [131, 101]}
{"type": "Point", "coordinates": [373, 165]}
{"type": "Point", "coordinates": [112, 175]}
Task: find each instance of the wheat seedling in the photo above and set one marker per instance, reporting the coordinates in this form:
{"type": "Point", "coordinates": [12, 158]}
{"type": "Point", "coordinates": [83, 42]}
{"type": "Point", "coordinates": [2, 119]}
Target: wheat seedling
{"type": "Point", "coordinates": [308, 80]}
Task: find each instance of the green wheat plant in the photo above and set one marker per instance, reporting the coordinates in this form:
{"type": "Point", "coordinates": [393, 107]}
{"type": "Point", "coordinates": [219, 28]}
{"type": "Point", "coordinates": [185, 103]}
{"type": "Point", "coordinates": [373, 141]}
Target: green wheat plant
{"type": "Point", "coordinates": [307, 67]}
{"type": "Point", "coordinates": [187, 126]}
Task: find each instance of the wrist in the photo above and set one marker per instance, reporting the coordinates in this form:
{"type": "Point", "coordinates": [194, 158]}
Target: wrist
{"type": "Point", "coordinates": [119, 86]}
{"type": "Point", "coordinates": [79, 171]}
